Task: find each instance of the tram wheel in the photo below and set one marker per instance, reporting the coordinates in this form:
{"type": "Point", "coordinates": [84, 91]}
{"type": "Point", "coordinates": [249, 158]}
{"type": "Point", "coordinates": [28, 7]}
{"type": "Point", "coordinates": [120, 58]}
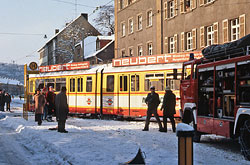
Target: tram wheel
{"type": "Point", "coordinates": [245, 139]}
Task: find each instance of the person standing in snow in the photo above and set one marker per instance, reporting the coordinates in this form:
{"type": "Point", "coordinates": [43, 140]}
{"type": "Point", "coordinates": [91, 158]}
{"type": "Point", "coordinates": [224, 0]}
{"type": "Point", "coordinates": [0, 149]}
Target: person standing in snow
{"type": "Point", "coordinates": [62, 110]}
{"type": "Point", "coordinates": [1, 100]}
{"type": "Point", "coordinates": [50, 98]}
{"type": "Point", "coordinates": [168, 107]}
{"type": "Point", "coordinates": [153, 101]}
{"type": "Point", "coordinates": [7, 100]}
{"type": "Point", "coordinates": [45, 109]}
{"type": "Point", "coordinates": [39, 106]}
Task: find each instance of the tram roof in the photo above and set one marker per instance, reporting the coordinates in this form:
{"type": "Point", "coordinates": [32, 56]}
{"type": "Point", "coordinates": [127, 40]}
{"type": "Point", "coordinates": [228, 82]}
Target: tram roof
{"type": "Point", "coordinates": [107, 68]}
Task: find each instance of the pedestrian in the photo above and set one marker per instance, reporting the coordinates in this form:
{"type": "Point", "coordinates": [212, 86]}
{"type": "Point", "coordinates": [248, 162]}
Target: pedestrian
{"type": "Point", "coordinates": [2, 100]}
{"type": "Point", "coordinates": [50, 99]}
{"type": "Point", "coordinates": [153, 101]}
{"type": "Point", "coordinates": [8, 101]}
{"type": "Point", "coordinates": [45, 110]}
{"type": "Point", "coordinates": [39, 106]}
{"type": "Point", "coordinates": [62, 110]}
{"type": "Point", "coordinates": [168, 107]}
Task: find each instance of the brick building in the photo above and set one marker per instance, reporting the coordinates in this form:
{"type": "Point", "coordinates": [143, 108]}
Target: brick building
{"type": "Point", "coordinates": [147, 27]}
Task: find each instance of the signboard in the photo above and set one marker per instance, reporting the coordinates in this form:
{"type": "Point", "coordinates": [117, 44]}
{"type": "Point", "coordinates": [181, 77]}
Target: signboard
{"type": "Point", "coordinates": [64, 67]}
{"type": "Point", "coordinates": [33, 66]}
{"type": "Point", "coordinates": [155, 59]}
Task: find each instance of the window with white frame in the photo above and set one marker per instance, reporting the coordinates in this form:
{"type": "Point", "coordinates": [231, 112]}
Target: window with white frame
{"type": "Point", "coordinates": [171, 9]}
{"type": "Point", "coordinates": [131, 25]}
{"type": "Point", "coordinates": [140, 50]}
{"type": "Point", "coordinates": [208, 1]}
{"type": "Point", "coordinates": [165, 10]}
{"type": "Point", "coordinates": [130, 51]}
{"type": "Point", "coordinates": [150, 48]}
{"type": "Point", "coordinates": [187, 4]}
{"type": "Point", "coordinates": [121, 4]}
{"type": "Point", "coordinates": [123, 53]}
{"type": "Point", "coordinates": [129, 2]}
{"type": "Point", "coordinates": [139, 19]}
{"type": "Point", "coordinates": [150, 18]}
{"type": "Point", "coordinates": [235, 29]}
{"type": "Point", "coordinates": [171, 45]}
{"type": "Point", "coordinates": [210, 35]}
{"type": "Point", "coordinates": [123, 29]}
{"type": "Point", "coordinates": [189, 41]}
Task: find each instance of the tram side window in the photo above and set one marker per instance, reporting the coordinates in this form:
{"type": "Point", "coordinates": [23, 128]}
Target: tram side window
{"type": "Point", "coordinates": [31, 86]}
{"type": "Point", "coordinates": [89, 84]}
{"type": "Point", "coordinates": [79, 84]}
{"type": "Point", "coordinates": [135, 83]}
{"type": "Point", "coordinates": [60, 82]}
{"type": "Point", "coordinates": [173, 84]}
{"type": "Point", "coordinates": [156, 80]}
{"type": "Point", "coordinates": [40, 84]}
{"type": "Point", "coordinates": [110, 83]}
{"type": "Point", "coordinates": [123, 83]}
{"type": "Point", "coordinates": [72, 85]}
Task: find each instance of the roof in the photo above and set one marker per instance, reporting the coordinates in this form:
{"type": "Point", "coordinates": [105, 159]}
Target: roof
{"type": "Point", "coordinates": [9, 81]}
{"type": "Point", "coordinates": [97, 52]}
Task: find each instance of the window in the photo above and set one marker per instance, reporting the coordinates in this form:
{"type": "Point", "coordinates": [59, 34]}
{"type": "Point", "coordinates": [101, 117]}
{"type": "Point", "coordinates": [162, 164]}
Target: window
{"type": "Point", "coordinates": [173, 84]}
{"type": "Point", "coordinates": [89, 84]}
{"type": "Point", "coordinates": [31, 86]}
{"type": "Point", "coordinates": [139, 22]}
{"type": "Point", "coordinates": [156, 80]}
{"type": "Point", "coordinates": [123, 53]}
{"type": "Point", "coordinates": [60, 82]}
{"type": "Point", "coordinates": [123, 83]}
{"type": "Point", "coordinates": [189, 41]}
{"type": "Point", "coordinates": [150, 48]}
{"type": "Point", "coordinates": [129, 2]}
{"type": "Point", "coordinates": [135, 83]}
{"type": "Point", "coordinates": [187, 72]}
{"type": "Point", "coordinates": [171, 9]}
{"type": "Point", "coordinates": [123, 29]}
{"type": "Point", "coordinates": [50, 82]}
{"type": "Point", "coordinates": [40, 84]}
{"type": "Point", "coordinates": [121, 4]}
{"type": "Point", "coordinates": [149, 18]}
{"type": "Point", "coordinates": [165, 10]}
{"type": "Point", "coordinates": [130, 52]}
{"type": "Point", "coordinates": [79, 84]}
{"type": "Point", "coordinates": [235, 28]}
{"type": "Point", "coordinates": [208, 1]}
{"type": "Point", "coordinates": [210, 35]}
{"type": "Point", "coordinates": [72, 85]}
{"type": "Point", "coordinates": [171, 45]}
{"type": "Point", "coordinates": [110, 83]}
{"type": "Point", "coordinates": [140, 51]}
{"type": "Point", "coordinates": [188, 5]}
{"type": "Point", "coordinates": [131, 25]}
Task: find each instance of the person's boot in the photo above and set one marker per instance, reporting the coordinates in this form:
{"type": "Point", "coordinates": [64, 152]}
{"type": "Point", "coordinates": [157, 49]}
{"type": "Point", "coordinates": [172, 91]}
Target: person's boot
{"type": "Point", "coordinates": [145, 129]}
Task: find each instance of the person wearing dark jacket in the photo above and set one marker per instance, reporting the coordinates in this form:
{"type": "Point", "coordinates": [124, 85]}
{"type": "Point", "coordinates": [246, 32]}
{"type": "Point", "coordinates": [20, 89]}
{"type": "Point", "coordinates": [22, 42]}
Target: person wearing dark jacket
{"type": "Point", "coordinates": [2, 100]}
{"type": "Point", "coordinates": [153, 101]}
{"type": "Point", "coordinates": [168, 107]}
{"type": "Point", "coordinates": [62, 110]}
{"type": "Point", "coordinates": [50, 98]}
{"type": "Point", "coordinates": [7, 100]}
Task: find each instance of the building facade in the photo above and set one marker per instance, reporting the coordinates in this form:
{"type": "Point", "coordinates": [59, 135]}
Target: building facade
{"type": "Point", "coordinates": [148, 27]}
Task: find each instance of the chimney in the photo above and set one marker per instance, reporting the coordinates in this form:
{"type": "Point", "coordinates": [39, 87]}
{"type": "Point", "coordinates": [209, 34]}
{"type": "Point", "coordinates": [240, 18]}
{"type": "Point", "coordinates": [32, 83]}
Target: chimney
{"type": "Point", "coordinates": [85, 15]}
{"type": "Point", "coordinates": [56, 31]}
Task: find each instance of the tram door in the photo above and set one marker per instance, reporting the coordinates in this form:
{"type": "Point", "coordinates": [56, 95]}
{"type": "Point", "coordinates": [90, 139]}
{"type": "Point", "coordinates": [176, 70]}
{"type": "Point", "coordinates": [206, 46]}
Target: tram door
{"type": "Point", "coordinates": [124, 95]}
{"type": "Point", "coordinates": [72, 95]}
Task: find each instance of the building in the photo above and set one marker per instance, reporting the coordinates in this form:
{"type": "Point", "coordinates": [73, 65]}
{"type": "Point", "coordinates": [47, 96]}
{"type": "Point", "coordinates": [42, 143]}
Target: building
{"type": "Point", "coordinates": [149, 27]}
{"type": "Point", "coordinates": [102, 49]}
{"type": "Point", "coordinates": [67, 45]}
{"type": "Point", "coordinates": [13, 87]}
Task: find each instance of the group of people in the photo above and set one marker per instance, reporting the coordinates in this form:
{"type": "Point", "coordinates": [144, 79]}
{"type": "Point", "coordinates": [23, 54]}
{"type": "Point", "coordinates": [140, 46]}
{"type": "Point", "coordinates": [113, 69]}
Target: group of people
{"type": "Point", "coordinates": [5, 98]}
{"type": "Point", "coordinates": [168, 107]}
{"type": "Point", "coordinates": [46, 102]}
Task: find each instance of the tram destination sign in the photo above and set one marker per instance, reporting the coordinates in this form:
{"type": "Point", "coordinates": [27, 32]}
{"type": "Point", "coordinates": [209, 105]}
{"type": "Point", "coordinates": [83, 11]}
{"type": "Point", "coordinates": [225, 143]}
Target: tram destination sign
{"type": "Point", "coordinates": [65, 67]}
{"type": "Point", "coordinates": [155, 59]}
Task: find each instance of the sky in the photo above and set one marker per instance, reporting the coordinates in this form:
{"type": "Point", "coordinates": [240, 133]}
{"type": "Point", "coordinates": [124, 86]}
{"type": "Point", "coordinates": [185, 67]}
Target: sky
{"type": "Point", "coordinates": [25, 22]}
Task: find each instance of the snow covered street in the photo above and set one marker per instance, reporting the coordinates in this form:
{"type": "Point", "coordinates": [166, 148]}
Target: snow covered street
{"type": "Point", "coordinates": [92, 141]}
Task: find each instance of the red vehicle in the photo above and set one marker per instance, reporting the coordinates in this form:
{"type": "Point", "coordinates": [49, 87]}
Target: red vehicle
{"type": "Point", "coordinates": [215, 97]}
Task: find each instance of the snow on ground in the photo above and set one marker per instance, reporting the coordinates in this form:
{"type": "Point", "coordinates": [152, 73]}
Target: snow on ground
{"type": "Point", "coordinates": [98, 142]}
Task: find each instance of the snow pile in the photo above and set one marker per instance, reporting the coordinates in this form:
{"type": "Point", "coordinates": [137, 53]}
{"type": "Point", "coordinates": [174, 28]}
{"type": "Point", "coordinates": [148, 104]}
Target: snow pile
{"type": "Point", "coordinates": [184, 127]}
{"type": "Point", "coordinates": [92, 141]}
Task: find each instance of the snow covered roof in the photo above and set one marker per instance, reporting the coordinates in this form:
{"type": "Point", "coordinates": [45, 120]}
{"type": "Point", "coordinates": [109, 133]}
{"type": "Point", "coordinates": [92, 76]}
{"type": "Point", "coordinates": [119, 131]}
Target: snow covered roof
{"type": "Point", "coordinates": [9, 81]}
{"type": "Point", "coordinates": [97, 52]}
{"type": "Point", "coordinates": [112, 37]}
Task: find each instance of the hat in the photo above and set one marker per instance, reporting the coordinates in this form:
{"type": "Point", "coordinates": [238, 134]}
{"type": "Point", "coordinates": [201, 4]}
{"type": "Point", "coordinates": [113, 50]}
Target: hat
{"type": "Point", "coordinates": [152, 87]}
{"type": "Point", "coordinates": [167, 88]}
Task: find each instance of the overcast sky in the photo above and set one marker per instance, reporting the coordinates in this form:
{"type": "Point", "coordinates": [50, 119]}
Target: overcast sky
{"type": "Point", "coordinates": [34, 19]}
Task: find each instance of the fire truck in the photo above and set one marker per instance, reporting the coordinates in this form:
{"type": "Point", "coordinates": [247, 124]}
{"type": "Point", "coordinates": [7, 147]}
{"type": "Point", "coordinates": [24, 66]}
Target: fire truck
{"type": "Point", "coordinates": [215, 92]}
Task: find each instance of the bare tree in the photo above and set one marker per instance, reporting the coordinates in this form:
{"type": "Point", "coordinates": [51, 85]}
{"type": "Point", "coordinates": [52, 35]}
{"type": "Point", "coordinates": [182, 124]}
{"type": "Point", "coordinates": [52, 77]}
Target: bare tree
{"type": "Point", "coordinates": [105, 19]}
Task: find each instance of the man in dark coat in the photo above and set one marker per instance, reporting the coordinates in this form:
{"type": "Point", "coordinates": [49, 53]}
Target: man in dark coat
{"type": "Point", "coordinates": [50, 98]}
{"type": "Point", "coordinates": [7, 100]}
{"type": "Point", "coordinates": [168, 107]}
{"type": "Point", "coordinates": [153, 101]}
{"type": "Point", "coordinates": [2, 100]}
{"type": "Point", "coordinates": [62, 110]}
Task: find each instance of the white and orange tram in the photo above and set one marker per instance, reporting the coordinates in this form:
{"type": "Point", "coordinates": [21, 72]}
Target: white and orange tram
{"type": "Point", "coordinates": [108, 90]}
